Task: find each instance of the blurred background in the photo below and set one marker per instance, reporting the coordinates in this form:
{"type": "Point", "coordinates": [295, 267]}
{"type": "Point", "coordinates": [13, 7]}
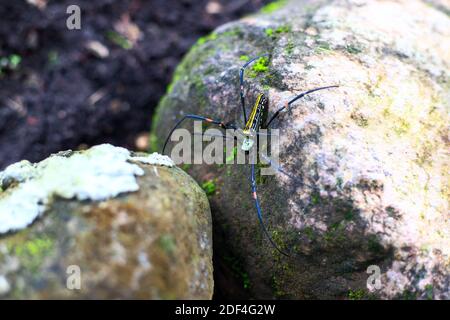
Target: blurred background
{"type": "Point", "coordinates": [70, 89]}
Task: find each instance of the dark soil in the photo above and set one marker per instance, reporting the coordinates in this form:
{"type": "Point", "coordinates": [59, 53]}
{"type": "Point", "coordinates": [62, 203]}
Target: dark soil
{"type": "Point", "coordinates": [61, 95]}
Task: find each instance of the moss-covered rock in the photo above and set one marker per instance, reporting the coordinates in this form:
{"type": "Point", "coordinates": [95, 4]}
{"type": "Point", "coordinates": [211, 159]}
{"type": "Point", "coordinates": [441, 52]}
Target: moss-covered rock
{"type": "Point", "coordinates": [104, 224]}
{"type": "Point", "coordinates": [371, 157]}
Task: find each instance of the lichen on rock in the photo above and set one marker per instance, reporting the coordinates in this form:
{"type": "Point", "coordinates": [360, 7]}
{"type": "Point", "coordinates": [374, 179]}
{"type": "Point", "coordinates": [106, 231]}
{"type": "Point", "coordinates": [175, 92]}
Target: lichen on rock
{"type": "Point", "coordinates": [99, 173]}
{"type": "Point", "coordinates": [133, 225]}
{"type": "Point", "coordinates": [371, 158]}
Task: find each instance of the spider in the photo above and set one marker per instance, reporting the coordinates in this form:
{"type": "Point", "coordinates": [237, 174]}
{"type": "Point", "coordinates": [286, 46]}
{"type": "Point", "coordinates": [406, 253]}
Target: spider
{"type": "Point", "coordinates": [250, 133]}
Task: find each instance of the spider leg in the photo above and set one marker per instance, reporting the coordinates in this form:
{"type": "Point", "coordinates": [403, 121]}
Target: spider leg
{"type": "Point", "coordinates": [288, 104]}
{"type": "Point", "coordinates": [196, 117]}
{"type": "Point", "coordinates": [204, 134]}
{"type": "Point", "coordinates": [277, 167]}
{"type": "Point", "coordinates": [241, 80]}
{"type": "Point", "coordinates": [258, 210]}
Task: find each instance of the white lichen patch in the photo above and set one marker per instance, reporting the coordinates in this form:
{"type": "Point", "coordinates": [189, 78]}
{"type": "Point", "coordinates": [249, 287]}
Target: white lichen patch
{"type": "Point", "coordinates": [18, 172]}
{"type": "Point", "coordinates": [102, 172]}
{"type": "Point", "coordinates": [155, 159]}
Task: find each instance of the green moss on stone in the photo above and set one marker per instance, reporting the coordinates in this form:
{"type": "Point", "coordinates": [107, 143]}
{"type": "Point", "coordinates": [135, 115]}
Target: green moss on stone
{"type": "Point", "coordinates": [209, 187]}
{"type": "Point", "coordinates": [153, 143]}
{"type": "Point", "coordinates": [290, 47]}
{"type": "Point", "coordinates": [237, 267]}
{"type": "Point", "coordinates": [233, 154]}
{"type": "Point", "coordinates": [408, 295]}
{"type": "Point", "coordinates": [283, 29]}
{"type": "Point", "coordinates": [353, 49]}
{"type": "Point", "coordinates": [323, 47]}
{"type": "Point", "coordinates": [278, 287]}
{"type": "Point", "coordinates": [273, 33]}
{"type": "Point", "coordinates": [269, 32]}
{"type": "Point", "coordinates": [402, 126]}
{"type": "Point", "coordinates": [356, 294]}
{"type": "Point", "coordinates": [32, 253]}
{"type": "Point", "coordinates": [244, 58]}
{"type": "Point", "coordinates": [204, 39]}
{"type": "Point", "coordinates": [186, 166]}
{"type": "Point", "coordinates": [34, 247]}
{"type": "Point", "coordinates": [360, 119]}
{"type": "Point", "coordinates": [167, 243]}
{"type": "Point", "coordinates": [315, 198]}
{"type": "Point", "coordinates": [277, 237]}
{"type": "Point", "coordinates": [273, 6]}
{"type": "Point", "coordinates": [429, 291]}
{"type": "Point", "coordinates": [336, 233]}
{"type": "Point", "coordinates": [261, 65]}
{"type": "Point", "coordinates": [339, 182]}
{"type": "Point", "coordinates": [374, 245]}
{"type": "Point", "coordinates": [309, 232]}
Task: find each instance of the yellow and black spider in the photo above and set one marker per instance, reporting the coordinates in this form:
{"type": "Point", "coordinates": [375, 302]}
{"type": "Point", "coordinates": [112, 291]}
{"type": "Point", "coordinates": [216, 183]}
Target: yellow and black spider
{"type": "Point", "coordinates": [250, 132]}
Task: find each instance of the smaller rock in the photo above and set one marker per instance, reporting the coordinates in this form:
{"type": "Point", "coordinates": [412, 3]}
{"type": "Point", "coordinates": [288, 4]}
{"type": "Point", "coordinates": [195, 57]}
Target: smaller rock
{"type": "Point", "coordinates": [104, 223]}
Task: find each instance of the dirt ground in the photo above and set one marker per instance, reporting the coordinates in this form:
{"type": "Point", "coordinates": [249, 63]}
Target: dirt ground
{"type": "Point", "coordinates": [68, 89]}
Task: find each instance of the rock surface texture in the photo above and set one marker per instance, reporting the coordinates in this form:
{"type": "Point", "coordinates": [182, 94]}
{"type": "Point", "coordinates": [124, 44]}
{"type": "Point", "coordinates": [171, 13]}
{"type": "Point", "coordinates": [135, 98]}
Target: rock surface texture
{"type": "Point", "coordinates": [371, 157]}
{"type": "Point", "coordinates": [103, 223]}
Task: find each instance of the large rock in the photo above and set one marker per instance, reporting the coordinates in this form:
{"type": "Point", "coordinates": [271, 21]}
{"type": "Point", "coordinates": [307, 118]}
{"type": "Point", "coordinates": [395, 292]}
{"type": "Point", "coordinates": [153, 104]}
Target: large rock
{"type": "Point", "coordinates": [103, 223]}
{"type": "Point", "coordinates": [371, 157]}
